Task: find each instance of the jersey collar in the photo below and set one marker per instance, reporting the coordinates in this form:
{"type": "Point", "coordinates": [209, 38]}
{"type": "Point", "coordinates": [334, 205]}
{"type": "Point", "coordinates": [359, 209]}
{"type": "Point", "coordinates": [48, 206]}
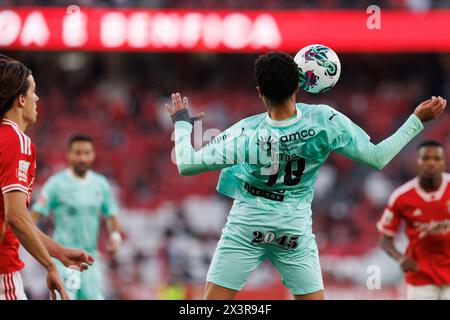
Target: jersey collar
{"type": "Point", "coordinates": [435, 195]}
{"type": "Point", "coordinates": [11, 123]}
{"type": "Point", "coordinates": [16, 127]}
{"type": "Point", "coordinates": [77, 178]}
{"type": "Point", "coordinates": [284, 123]}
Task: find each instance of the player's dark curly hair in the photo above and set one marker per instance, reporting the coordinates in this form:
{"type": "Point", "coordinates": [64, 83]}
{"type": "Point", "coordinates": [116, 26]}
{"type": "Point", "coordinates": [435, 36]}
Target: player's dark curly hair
{"type": "Point", "coordinates": [277, 76]}
{"type": "Point", "coordinates": [13, 82]}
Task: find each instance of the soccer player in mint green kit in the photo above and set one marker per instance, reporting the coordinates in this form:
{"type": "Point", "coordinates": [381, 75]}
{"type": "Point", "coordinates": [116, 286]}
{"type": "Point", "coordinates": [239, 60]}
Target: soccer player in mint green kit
{"type": "Point", "coordinates": [269, 164]}
{"type": "Point", "coordinates": [77, 197]}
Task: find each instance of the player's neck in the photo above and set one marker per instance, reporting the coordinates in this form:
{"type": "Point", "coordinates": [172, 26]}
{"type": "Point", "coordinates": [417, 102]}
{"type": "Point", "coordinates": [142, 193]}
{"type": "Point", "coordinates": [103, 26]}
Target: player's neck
{"type": "Point", "coordinates": [77, 174]}
{"type": "Point", "coordinates": [430, 184]}
{"type": "Point", "coordinates": [17, 119]}
{"type": "Point", "coordinates": [282, 111]}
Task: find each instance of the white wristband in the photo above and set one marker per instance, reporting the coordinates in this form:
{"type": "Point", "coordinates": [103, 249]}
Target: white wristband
{"type": "Point", "coordinates": [116, 236]}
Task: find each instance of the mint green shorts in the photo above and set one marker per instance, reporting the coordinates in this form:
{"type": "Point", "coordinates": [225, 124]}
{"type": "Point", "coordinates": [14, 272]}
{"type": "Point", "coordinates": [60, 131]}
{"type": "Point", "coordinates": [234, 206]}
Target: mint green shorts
{"type": "Point", "coordinates": [252, 235]}
{"type": "Point", "coordinates": [86, 285]}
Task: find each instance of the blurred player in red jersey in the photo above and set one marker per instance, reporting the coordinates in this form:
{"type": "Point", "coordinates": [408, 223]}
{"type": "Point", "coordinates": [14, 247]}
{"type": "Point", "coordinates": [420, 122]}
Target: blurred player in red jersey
{"type": "Point", "coordinates": [424, 205]}
{"type": "Point", "coordinates": [17, 171]}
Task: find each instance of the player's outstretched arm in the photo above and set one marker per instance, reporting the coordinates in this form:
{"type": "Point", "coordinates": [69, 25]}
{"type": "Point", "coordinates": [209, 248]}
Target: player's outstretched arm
{"type": "Point", "coordinates": [217, 155]}
{"type": "Point", "coordinates": [354, 143]}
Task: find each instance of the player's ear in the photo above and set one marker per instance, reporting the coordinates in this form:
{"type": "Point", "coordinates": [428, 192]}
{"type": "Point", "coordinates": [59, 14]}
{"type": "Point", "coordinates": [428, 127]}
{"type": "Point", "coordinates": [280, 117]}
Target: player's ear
{"type": "Point", "coordinates": [21, 100]}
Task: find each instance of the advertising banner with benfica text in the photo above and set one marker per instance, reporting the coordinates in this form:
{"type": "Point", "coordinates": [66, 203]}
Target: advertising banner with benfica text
{"type": "Point", "coordinates": [150, 30]}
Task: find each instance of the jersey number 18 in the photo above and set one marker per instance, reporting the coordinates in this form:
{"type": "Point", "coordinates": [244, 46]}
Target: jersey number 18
{"type": "Point", "coordinates": [292, 176]}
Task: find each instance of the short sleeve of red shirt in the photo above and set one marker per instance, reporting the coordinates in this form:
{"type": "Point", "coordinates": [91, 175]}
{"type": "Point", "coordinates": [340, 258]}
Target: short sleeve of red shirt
{"type": "Point", "coordinates": [16, 159]}
{"type": "Point", "coordinates": [390, 220]}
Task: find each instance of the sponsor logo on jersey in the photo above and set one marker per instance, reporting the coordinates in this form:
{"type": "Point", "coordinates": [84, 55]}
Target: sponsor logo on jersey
{"type": "Point", "coordinates": [288, 157]}
{"type": "Point", "coordinates": [387, 216]}
{"type": "Point", "coordinates": [222, 137]}
{"type": "Point", "coordinates": [263, 139]}
{"type": "Point", "coordinates": [22, 171]}
{"type": "Point", "coordinates": [24, 165]}
{"type": "Point", "coordinates": [441, 227]}
{"type": "Point", "coordinates": [217, 139]}
{"type": "Point", "coordinates": [299, 135]}
{"type": "Point", "coordinates": [332, 115]}
{"type": "Point", "coordinates": [257, 192]}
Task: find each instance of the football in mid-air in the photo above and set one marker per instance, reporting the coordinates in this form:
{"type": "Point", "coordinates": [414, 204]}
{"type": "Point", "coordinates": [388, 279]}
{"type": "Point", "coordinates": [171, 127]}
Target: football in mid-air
{"type": "Point", "coordinates": [319, 68]}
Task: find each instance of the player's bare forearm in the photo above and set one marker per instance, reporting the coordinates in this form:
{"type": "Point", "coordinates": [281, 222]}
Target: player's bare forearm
{"type": "Point", "coordinates": [35, 216]}
{"type": "Point", "coordinates": [388, 245]}
{"type": "Point", "coordinates": [54, 248]}
{"type": "Point", "coordinates": [67, 256]}
{"type": "Point", "coordinates": [406, 263]}
{"type": "Point", "coordinates": [115, 238]}
{"type": "Point", "coordinates": [22, 225]}
{"type": "Point", "coordinates": [112, 224]}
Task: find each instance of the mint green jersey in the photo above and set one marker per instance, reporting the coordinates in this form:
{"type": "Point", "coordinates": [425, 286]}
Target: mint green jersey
{"type": "Point", "coordinates": [76, 204]}
{"type": "Point", "coordinates": [274, 164]}
{"type": "Point", "coordinates": [270, 169]}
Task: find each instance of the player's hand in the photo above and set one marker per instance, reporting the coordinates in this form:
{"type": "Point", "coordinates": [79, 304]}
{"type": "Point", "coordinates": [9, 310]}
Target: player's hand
{"type": "Point", "coordinates": [76, 257]}
{"type": "Point", "coordinates": [431, 108]}
{"type": "Point", "coordinates": [179, 110]}
{"type": "Point", "coordinates": [54, 284]}
{"type": "Point", "coordinates": [407, 264]}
